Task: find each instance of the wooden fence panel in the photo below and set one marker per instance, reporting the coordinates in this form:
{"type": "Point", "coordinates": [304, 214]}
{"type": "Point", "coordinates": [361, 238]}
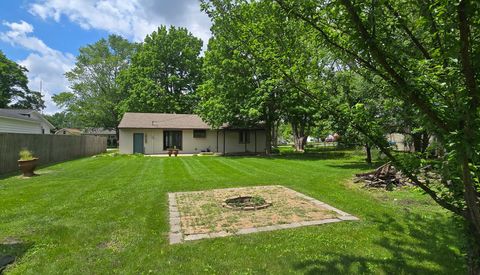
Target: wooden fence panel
{"type": "Point", "coordinates": [48, 148]}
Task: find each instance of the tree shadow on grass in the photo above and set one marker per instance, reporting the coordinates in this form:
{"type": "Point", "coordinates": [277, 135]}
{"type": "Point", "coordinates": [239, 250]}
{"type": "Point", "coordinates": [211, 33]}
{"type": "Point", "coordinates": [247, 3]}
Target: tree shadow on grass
{"type": "Point", "coordinates": [416, 245]}
{"type": "Point", "coordinates": [356, 165]}
{"type": "Point", "coordinates": [12, 250]}
{"type": "Point", "coordinates": [297, 156]}
{"type": "Point", "coordinates": [314, 155]}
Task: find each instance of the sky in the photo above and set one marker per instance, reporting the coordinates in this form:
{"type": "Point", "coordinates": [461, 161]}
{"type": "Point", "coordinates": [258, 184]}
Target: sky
{"type": "Point", "coordinates": [44, 35]}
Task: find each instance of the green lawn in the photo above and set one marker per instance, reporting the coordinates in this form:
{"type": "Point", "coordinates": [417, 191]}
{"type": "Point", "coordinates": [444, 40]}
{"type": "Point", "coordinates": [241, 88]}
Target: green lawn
{"type": "Point", "coordinates": [108, 214]}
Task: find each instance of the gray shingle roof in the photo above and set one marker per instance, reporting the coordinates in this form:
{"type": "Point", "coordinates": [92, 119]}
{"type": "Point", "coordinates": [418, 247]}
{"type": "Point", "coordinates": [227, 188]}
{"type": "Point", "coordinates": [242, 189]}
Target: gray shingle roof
{"type": "Point", "coordinates": [98, 131]}
{"type": "Point", "coordinates": [163, 121]}
{"type": "Point", "coordinates": [25, 114]}
{"type": "Point", "coordinates": [17, 113]}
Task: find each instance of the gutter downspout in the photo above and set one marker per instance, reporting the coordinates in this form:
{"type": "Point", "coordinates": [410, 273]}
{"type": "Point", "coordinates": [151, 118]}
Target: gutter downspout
{"type": "Point", "coordinates": [224, 132]}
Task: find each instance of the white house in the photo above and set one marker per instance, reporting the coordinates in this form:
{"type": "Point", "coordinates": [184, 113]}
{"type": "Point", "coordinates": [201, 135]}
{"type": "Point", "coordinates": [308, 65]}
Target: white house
{"type": "Point", "coordinates": [154, 133]}
{"type": "Point", "coordinates": [23, 121]}
{"type": "Point", "coordinates": [110, 134]}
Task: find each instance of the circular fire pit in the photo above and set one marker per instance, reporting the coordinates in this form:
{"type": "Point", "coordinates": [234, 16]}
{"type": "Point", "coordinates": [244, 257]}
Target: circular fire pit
{"type": "Point", "coordinates": [246, 203]}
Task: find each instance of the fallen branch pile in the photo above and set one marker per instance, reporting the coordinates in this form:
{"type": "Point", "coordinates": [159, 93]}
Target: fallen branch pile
{"type": "Point", "coordinates": [385, 176]}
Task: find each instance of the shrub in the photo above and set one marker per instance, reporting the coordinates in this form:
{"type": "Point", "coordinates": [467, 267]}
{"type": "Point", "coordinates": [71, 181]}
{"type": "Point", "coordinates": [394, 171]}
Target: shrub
{"type": "Point", "coordinates": [25, 154]}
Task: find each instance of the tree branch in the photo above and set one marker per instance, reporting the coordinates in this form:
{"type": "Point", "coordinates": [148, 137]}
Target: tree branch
{"type": "Point", "coordinates": [384, 150]}
{"type": "Point", "coordinates": [329, 40]}
{"type": "Point", "coordinates": [401, 83]}
{"type": "Point", "coordinates": [467, 68]}
{"type": "Point", "coordinates": [404, 26]}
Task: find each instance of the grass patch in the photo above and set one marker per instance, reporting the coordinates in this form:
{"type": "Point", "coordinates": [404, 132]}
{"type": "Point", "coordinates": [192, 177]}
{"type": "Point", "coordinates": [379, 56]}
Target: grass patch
{"type": "Point", "coordinates": [110, 215]}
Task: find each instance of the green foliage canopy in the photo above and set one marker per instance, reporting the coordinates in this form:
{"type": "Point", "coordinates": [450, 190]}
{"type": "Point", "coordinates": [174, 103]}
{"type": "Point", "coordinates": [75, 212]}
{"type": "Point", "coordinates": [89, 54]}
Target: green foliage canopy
{"type": "Point", "coordinates": [14, 91]}
{"type": "Point", "coordinates": [95, 94]}
{"type": "Point", "coordinates": [164, 73]}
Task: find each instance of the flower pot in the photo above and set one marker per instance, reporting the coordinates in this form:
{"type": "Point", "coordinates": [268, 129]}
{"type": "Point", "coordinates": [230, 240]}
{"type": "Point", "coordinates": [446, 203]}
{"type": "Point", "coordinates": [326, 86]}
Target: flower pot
{"type": "Point", "coordinates": [28, 167]}
{"type": "Point", "coordinates": [169, 153]}
{"type": "Point", "coordinates": [175, 152]}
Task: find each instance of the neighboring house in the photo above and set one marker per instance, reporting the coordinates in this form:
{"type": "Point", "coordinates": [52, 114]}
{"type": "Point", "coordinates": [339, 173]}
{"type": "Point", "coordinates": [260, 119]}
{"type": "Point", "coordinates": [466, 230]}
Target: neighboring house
{"type": "Point", "coordinates": [399, 142]}
{"type": "Point", "coordinates": [24, 121]}
{"type": "Point", "coordinates": [69, 132]}
{"type": "Point", "coordinates": [154, 133]}
{"type": "Point", "coordinates": [330, 138]}
{"type": "Point", "coordinates": [111, 135]}
{"type": "Point", "coordinates": [313, 139]}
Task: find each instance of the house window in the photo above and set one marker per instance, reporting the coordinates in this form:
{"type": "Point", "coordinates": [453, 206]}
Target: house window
{"type": "Point", "coordinates": [199, 133]}
{"type": "Point", "coordinates": [172, 140]}
{"type": "Point", "coordinates": [244, 136]}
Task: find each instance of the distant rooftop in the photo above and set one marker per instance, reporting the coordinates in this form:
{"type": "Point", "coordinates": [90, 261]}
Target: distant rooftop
{"type": "Point", "coordinates": [73, 131]}
{"type": "Point", "coordinates": [98, 131]}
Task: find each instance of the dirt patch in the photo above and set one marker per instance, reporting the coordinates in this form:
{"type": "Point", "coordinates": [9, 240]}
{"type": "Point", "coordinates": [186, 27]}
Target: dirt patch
{"type": "Point", "coordinates": [202, 212]}
{"type": "Point", "coordinates": [10, 241]}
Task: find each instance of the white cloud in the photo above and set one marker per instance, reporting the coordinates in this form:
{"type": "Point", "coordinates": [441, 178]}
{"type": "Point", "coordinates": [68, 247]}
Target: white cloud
{"type": "Point", "coordinates": [19, 28]}
{"type": "Point", "coordinates": [44, 64]}
{"type": "Point", "coordinates": [133, 19]}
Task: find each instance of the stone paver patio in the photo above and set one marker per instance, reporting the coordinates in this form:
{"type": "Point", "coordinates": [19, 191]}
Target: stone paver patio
{"type": "Point", "coordinates": [200, 215]}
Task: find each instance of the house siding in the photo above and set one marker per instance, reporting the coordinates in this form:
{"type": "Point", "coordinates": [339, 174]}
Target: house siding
{"type": "Point", "coordinates": [8, 125]}
{"type": "Point", "coordinates": [43, 124]}
{"type": "Point", "coordinates": [153, 141]}
{"type": "Point", "coordinates": [233, 144]}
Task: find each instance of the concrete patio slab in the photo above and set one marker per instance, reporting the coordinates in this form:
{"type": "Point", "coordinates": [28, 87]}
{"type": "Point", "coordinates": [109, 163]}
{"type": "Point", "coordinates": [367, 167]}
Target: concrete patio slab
{"type": "Point", "coordinates": [190, 221]}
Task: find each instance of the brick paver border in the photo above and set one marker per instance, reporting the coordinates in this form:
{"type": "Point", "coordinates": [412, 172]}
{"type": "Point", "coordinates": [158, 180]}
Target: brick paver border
{"type": "Point", "coordinates": [176, 236]}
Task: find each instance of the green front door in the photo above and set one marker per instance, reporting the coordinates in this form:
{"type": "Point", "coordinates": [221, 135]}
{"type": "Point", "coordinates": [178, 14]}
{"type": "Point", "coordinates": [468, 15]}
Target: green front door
{"type": "Point", "coordinates": [138, 143]}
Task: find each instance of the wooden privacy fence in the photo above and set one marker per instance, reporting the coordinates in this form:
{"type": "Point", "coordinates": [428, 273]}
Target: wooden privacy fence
{"type": "Point", "coordinates": [48, 148]}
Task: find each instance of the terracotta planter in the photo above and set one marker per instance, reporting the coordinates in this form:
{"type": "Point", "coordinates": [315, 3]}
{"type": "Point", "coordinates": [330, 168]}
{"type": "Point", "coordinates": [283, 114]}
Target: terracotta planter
{"type": "Point", "coordinates": [174, 151]}
{"type": "Point", "coordinates": [28, 167]}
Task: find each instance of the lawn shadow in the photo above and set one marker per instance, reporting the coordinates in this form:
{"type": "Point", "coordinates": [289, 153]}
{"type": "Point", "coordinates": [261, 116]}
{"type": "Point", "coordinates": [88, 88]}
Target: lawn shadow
{"type": "Point", "coordinates": [314, 155]}
{"type": "Point", "coordinates": [298, 156]}
{"type": "Point", "coordinates": [12, 250]}
{"type": "Point", "coordinates": [417, 245]}
{"type": "Point", "coordinates": [47, 165]}
{"type": "Point", "coordinates": [357, 165]}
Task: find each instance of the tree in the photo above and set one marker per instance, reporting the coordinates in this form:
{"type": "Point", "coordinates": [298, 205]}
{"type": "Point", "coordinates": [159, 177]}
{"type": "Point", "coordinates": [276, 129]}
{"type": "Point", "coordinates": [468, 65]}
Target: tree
{"type": "Point", "coordinates": [14, 91]}
{"type": "Point", "coordinates": [245, 69]}
{"type": "Point", "coordinates": [164, 73]}
{"type": "Point", "coordinates": [428, 54]}
{"type": "Point", "coordinates": [64, 120]}
{"type": "Point", "coordinates": [95, 94]}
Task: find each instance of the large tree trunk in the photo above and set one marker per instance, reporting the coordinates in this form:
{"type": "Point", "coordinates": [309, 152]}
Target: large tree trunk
{"type": "Point", "coordinates": [275, 134]}
{"type": "Point", "coordinates": [299, 136]}
{"type": "Point", "coordinates": [420, 141]}
{"type": "Point", "coordinates": [300, 143]}
{"type": "Point", "coordinates": [473, 259]}
{"type": "Point", "coordinates": [268, 137]}
{"type": "Point", "coordinates": [473, 213]}
{"type": "Point", "coordinates": [417, 142]}
{"type": "Point", "coordinates": [471, 192]}
{"type": "Point", "coordinates": [117, 134]}
{"type": "Point", "coordinates": [425, 141]}
{"type": "Point", "coordinates": [368, 150]}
